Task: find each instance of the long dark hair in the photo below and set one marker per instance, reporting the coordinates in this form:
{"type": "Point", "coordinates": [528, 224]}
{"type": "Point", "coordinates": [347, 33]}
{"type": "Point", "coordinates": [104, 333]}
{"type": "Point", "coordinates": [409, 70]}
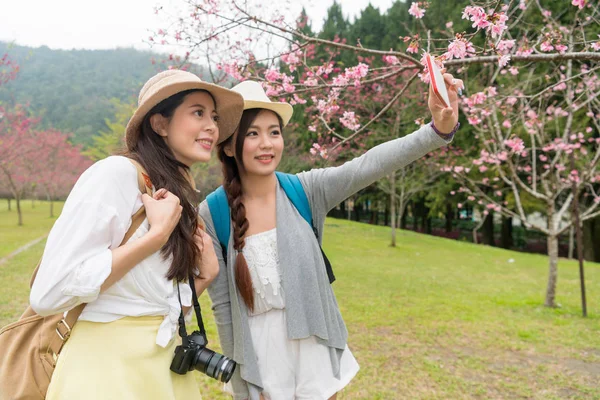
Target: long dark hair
{"type": "Point", "coordinates": [233, 187]}
{"type": "Point", "coordinates": [165, 171]}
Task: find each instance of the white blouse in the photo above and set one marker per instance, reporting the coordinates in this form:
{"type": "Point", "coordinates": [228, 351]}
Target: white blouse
{"type": "Point", "coordinates": [261, 256]}
{"type": "Point", "coordinates": [78, 258]}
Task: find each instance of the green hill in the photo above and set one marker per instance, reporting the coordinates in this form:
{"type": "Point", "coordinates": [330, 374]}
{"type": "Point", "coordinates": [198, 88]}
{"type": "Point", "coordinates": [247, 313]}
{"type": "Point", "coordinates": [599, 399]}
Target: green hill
{"type": "Point", "coordinates": [71, 89]}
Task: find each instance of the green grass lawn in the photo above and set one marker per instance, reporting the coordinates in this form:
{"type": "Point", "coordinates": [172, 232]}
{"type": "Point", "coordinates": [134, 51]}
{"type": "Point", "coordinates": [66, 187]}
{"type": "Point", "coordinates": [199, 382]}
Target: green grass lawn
{"type": "Point", "coordinates": [36, 223]}
{"type": "Point", "coordinates": [431, 318]}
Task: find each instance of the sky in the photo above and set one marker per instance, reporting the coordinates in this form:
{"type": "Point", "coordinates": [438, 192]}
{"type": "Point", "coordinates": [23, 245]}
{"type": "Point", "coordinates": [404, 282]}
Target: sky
{"type": "Point", "coordinates": [106, 24]}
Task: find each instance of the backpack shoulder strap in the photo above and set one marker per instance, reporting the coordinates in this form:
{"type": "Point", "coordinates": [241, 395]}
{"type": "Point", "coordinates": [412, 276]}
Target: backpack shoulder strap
{"type": "Point", "coordinates": [295, 192]}
{"type": "Point", "coordinates": [221, 215]}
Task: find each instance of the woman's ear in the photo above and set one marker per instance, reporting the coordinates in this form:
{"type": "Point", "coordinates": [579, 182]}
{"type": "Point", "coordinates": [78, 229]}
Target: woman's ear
{"type": "Point", "coordinates": [227, 149]}
{"type": "Point", "coordinates": [228, 146]}
{"type": "Point", "coordinates": [159, 124]}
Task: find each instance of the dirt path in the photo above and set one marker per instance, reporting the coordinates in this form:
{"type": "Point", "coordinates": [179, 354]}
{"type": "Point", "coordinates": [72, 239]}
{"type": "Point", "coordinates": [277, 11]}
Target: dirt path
{"type": "Point", "coordinates": [22, 249]}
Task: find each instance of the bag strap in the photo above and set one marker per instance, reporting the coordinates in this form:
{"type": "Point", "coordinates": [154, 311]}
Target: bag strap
{"type": "Point", "coordinates": [145, 186]}
{"type": "Point", "coordinates": [64, 326]}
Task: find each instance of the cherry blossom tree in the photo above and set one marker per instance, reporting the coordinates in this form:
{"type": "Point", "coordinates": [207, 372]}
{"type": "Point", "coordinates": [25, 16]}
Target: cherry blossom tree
{"type": "Point", "coordinates": [57, 165]}
{"type": "Point", "coordinates": [17, 143]}
{"type": "Point", "coordinates": [532, 72]}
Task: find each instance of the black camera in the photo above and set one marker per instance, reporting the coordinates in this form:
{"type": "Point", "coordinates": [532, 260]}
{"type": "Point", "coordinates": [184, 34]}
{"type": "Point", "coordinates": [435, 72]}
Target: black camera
{"type": "Point", "coordinates": [195, 355]}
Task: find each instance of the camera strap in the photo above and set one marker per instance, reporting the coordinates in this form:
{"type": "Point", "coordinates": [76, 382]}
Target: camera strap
{"type": "Point", "coordinates": [197, 306]}
{"type": "Point", "coordinates": [197, 309]}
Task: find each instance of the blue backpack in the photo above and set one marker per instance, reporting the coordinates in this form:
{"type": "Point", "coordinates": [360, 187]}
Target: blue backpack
{"type": "Point", "coordinates": [221, 214]}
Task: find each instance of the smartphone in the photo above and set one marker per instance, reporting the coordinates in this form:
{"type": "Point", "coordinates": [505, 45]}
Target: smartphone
{"type": "Point", "coordinates": [437, 80]}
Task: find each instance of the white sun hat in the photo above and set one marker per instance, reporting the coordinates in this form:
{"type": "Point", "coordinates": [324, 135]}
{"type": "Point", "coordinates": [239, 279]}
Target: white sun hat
{"type": "Point", "coordinates": [255, 97]}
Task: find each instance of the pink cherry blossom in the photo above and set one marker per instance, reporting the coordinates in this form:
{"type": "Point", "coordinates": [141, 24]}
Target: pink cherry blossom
{"type": "Point", "coordinates": [459, 48]}
{"type": "Point", "coordinates": [561, 48]}
{"type": "Point", "coordinates": [502, 61]}
{"type": "Point", "coordinates": [272, 75]}
{"type": "Point", "coordinates": [415, 11]}
{"type": "Point", "coordinates": [546, 46]}
{"type": "Point", "coordinates": [504, 46]}
{"type": "Point", "coordinates": [515, 144]}
{"type": "Point", "coordinates": [349, 120]}
{"type": "Point", "coordinates": [391, 60]}
{"type": "Point", "coordinates": [413, 47]}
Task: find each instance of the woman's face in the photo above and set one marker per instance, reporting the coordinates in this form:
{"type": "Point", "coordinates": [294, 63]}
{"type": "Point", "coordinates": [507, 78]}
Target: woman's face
{"type": "Point", "coordinates": [263, 145]}
{"type": "Point", "coordinates": [192, 130]}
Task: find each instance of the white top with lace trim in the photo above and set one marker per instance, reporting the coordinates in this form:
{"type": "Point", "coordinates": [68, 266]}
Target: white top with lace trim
{"type": "Point", "coordinates": [261, 256]}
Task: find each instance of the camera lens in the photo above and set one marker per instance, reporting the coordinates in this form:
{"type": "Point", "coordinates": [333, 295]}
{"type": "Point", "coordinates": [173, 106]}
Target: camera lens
{"type": "Point", "coordinates": [226, 369]}
{"type": "Point", "coordinates": [215, 365]}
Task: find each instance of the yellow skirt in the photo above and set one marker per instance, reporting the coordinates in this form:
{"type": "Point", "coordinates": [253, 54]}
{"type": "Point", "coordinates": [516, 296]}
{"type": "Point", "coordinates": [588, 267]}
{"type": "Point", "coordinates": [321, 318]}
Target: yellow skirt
{"type": "Point", "coordinates": [119, 360]}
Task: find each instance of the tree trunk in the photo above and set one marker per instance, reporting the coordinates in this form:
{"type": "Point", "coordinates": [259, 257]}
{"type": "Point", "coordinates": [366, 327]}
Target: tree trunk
{"type": "Point", "coordinates": [9, 206]}
{"type": "Point", "coordinates": [357, 211]}
{"type": "Point", "coordinates": [506, 238]}
{"type": "Point", "coordinates": [571, 242]}
{"type": "Point", "coordinates": [350, 211]}
{"type": "Point", "coordinates": [386, 215]}
{"type": "Point", "coordinates": [449, 217]}
{"type": "Point", "coordinates": [591, 235]}
{"type": "Point", "coordinates": [596, 237]}
{"type": "Point", "coordinates": [393, 207]}
{"type": "Point", "coordinates": [423, 213]}
{"type": "Point", "coordinates": [413, 209]}
{"type": "Point", "coordinates": [553, 271]}
{"type": "Point", "coordinates": [488, 230]}
{"type": "Point", "coordinates": [18, 201]}
{"type": "Point", "coordinates": [372, 211]}
{"type": "Point", "coordinates": [476, 230]}
{"type": "Point", "coordinates": [403, 219]}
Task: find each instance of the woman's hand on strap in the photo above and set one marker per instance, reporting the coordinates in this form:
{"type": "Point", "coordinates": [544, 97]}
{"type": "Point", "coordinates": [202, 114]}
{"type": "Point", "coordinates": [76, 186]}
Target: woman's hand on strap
{"type": "Point", "coordinates": [163, 211]}
{"type": "Point", "coordinates": [445, 118]}
{"type": "Point", "coordinates": [209, 267]}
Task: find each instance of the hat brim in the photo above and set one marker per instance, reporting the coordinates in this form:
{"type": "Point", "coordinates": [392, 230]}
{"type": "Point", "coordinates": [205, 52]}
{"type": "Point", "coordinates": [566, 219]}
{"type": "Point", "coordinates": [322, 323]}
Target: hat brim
{"type": "Point", "coordinates": [229, 105]}
{"type": "Point", "coordinates": [284, 110]}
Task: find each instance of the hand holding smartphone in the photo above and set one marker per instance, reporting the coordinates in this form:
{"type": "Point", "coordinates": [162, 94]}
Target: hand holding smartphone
{"type": "Point", "coordinates": [437, 80]}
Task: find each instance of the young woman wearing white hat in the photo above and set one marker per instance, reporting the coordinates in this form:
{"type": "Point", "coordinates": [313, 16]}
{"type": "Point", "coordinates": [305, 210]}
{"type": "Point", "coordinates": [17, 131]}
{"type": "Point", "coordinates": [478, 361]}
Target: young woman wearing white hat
{"type": "Point", "coordinates": [124, 340]}
{"type": "Point", "coordinates": [275, 310]}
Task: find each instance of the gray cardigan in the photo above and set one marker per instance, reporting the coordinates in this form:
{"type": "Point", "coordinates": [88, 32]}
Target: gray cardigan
{"type": "Point", "coordinates": [311, 307]}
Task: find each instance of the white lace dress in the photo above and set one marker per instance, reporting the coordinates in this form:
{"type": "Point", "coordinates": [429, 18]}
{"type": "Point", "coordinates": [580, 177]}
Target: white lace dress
{"type": "Point", "coordinates": [290, 369]}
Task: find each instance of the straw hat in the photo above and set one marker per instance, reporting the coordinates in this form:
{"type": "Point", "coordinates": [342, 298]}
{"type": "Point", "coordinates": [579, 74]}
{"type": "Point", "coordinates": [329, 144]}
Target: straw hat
{"type": "Point", "coordinates": [165, 84]}
{"type": "Point", "coordinates": [255, 97]}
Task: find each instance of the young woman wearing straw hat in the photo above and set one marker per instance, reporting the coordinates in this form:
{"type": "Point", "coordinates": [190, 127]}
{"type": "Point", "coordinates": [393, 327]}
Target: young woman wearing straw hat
{"type": "Point", "coordinates": [124, 340]}
{"type": "Point", "coordinates": [274, 306]}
